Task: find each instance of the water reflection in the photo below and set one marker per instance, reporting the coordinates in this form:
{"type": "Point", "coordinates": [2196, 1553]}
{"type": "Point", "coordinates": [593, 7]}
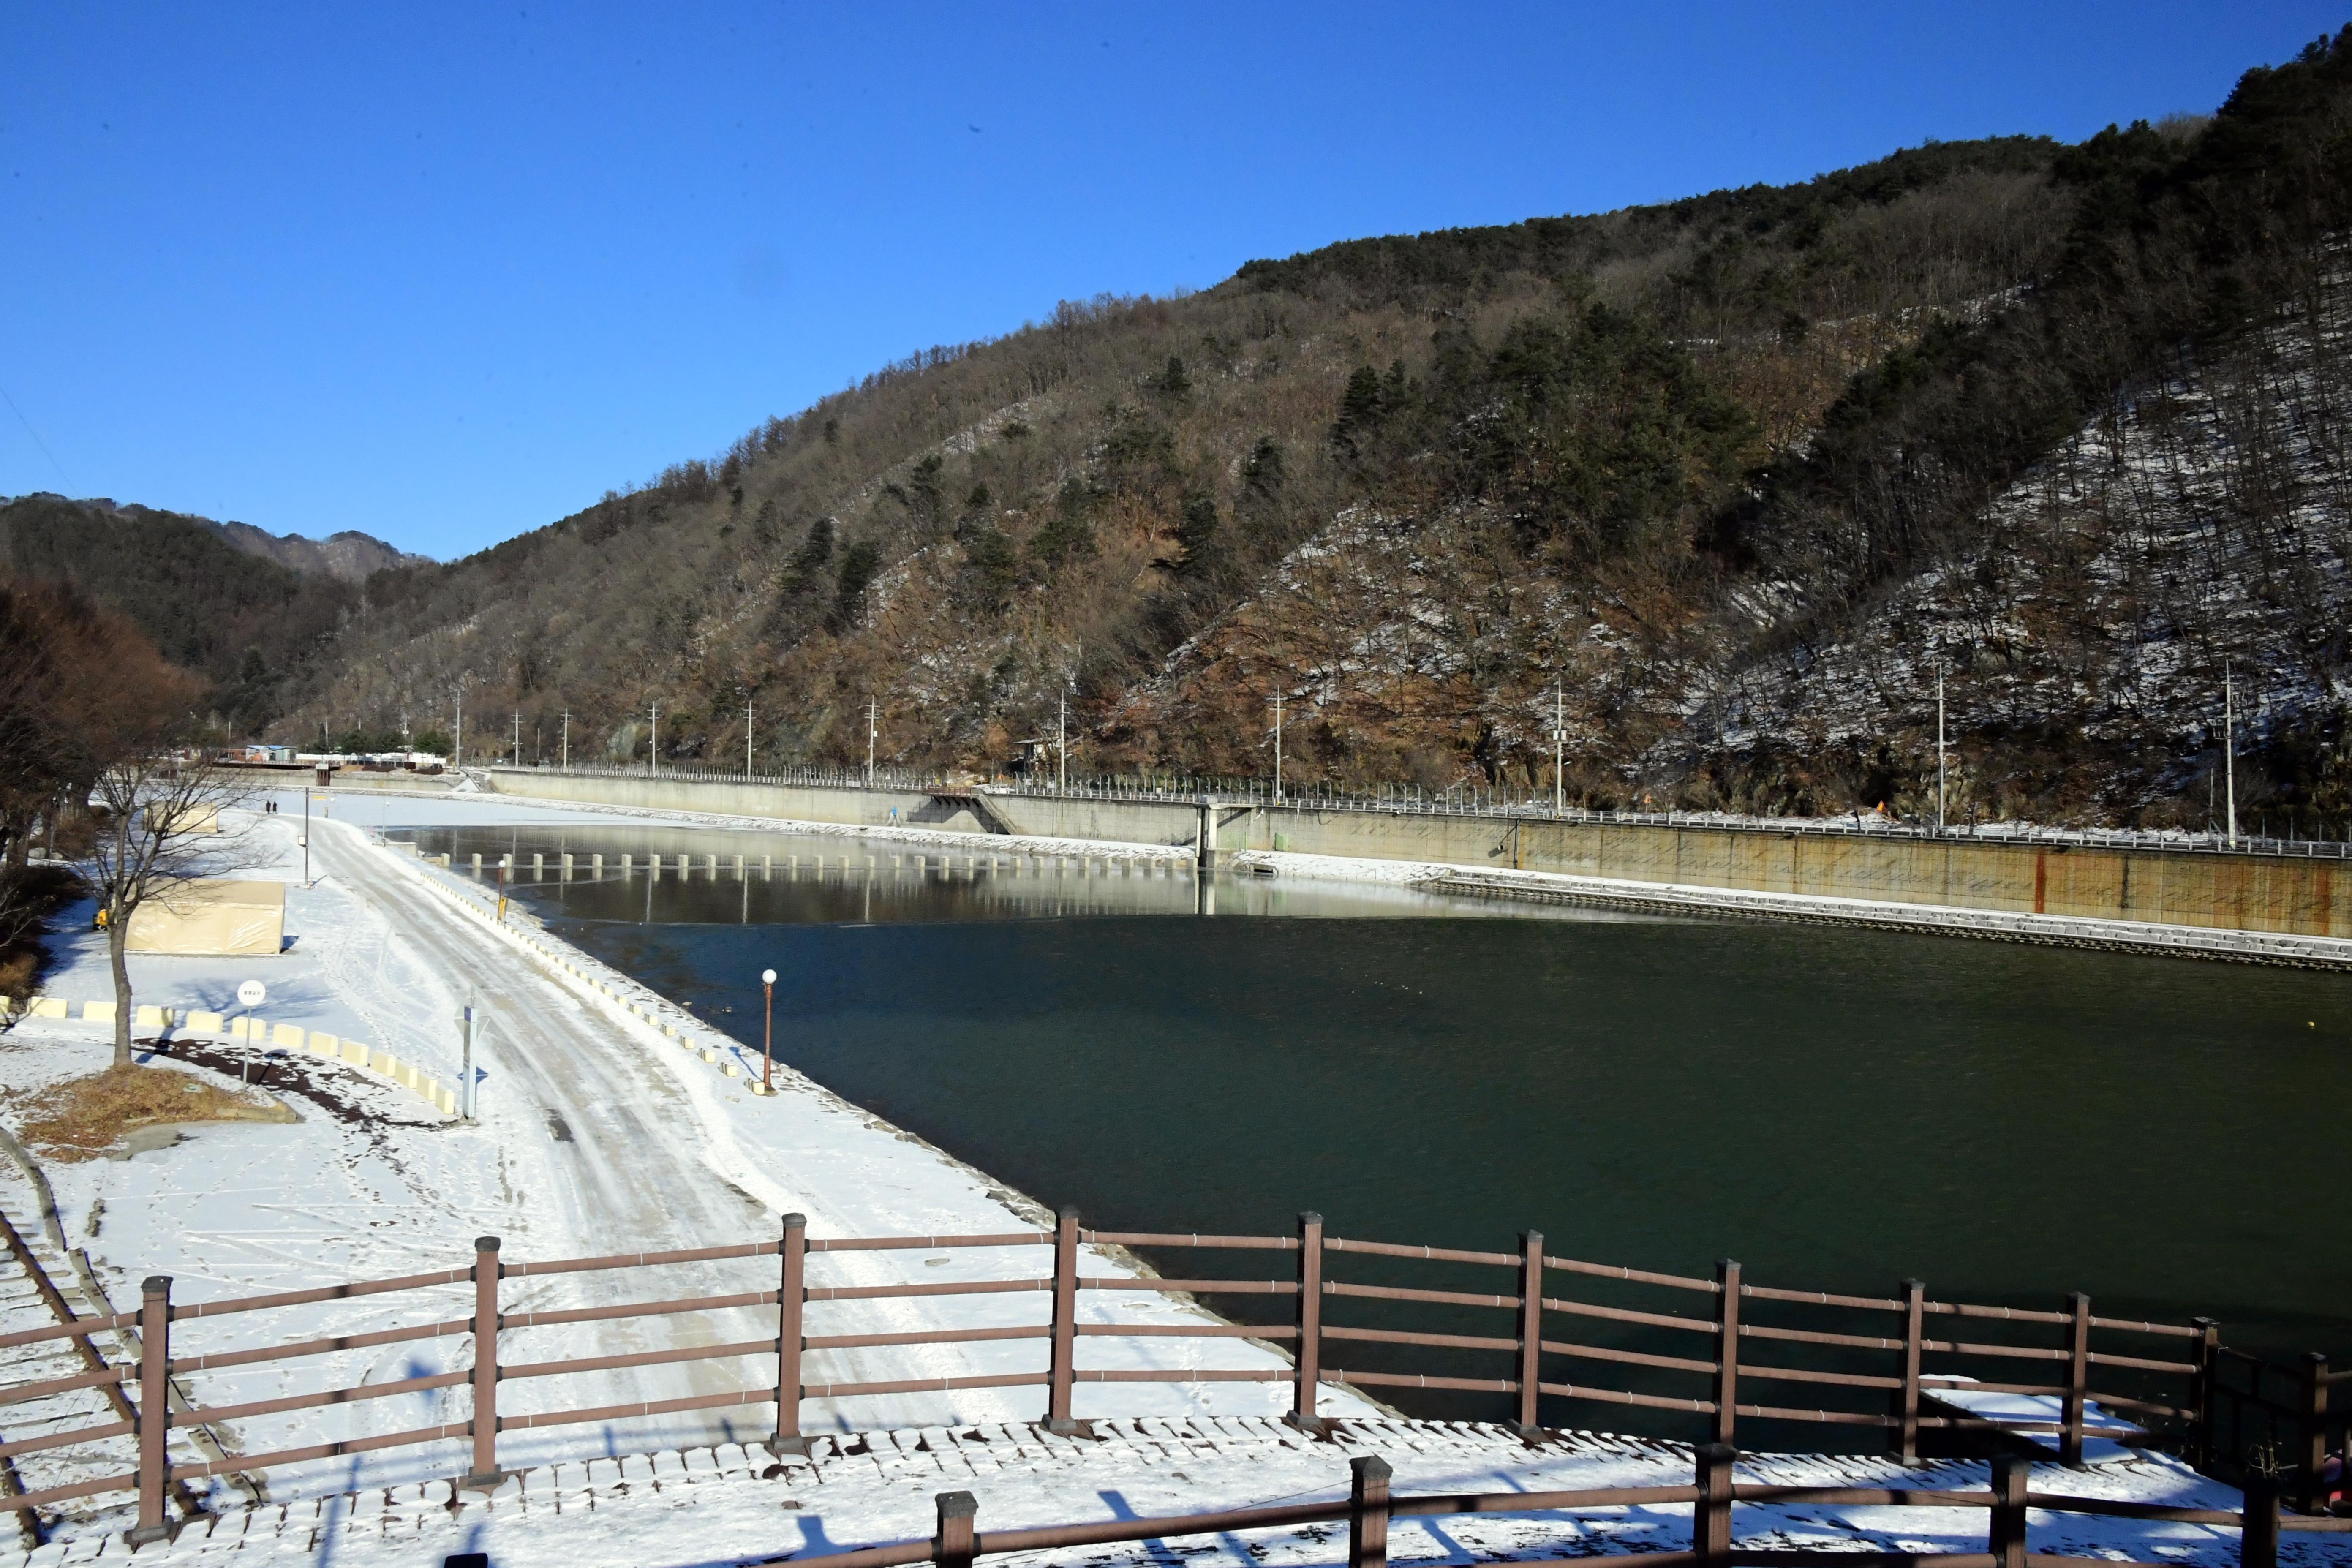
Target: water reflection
{"type": "Point", "coordinates": [691, 878]}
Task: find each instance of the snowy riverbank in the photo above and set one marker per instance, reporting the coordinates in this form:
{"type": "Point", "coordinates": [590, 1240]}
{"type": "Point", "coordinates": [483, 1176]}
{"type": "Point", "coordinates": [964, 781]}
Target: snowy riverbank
{"type": "Point", "coordinates": [597, 1135]}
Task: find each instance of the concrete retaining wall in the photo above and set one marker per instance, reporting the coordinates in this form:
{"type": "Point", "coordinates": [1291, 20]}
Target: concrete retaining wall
{"type": "Point", "coordinates": [2278, 894]}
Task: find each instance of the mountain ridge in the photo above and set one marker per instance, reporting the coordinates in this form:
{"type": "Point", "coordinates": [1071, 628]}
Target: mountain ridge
{"type": "Point", "coordinates": [1679, 471]}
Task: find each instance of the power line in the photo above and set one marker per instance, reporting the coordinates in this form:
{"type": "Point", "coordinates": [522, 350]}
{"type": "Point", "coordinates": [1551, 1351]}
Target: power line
{"type": "Point", "coordinates": [36, 435]}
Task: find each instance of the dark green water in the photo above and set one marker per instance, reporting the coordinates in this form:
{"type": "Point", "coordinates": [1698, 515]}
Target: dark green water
{"type": "Point", "coordinates": [1837, 1109]}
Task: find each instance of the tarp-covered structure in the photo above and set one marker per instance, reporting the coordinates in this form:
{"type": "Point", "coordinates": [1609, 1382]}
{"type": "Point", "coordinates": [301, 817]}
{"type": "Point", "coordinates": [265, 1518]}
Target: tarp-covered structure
{"type": "Point", "coordinates": [211, 917]}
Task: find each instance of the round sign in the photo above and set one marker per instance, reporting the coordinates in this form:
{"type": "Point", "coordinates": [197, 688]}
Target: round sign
{"type": "Point", "coordinates": [251, 993]}
{"type": "Point", "coordinates": [767, 975]}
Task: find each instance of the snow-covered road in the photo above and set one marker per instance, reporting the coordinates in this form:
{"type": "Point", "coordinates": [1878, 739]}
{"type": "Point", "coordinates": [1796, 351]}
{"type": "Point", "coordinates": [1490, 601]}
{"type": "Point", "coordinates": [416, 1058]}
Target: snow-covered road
{"type": "Point", "coordinates": [597, 1135]}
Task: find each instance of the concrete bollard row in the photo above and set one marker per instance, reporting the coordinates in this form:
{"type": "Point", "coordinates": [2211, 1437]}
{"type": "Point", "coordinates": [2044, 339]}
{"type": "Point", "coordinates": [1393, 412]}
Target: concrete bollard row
{"type": "Point", "coordinates": [255, 1032]}
{"type": "Point", "coordinates": [553, 957]}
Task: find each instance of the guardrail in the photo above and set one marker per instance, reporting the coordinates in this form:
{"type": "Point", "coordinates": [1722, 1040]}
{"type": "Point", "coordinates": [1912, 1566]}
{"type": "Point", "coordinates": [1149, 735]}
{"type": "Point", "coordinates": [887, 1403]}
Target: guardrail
{"type": "Point", "coordinates": [1881, 1380]}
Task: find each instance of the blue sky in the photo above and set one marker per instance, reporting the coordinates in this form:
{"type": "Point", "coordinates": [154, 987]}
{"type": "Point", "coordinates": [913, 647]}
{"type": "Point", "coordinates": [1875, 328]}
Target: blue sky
{"type": "Point", "coordinates": [446, 273]}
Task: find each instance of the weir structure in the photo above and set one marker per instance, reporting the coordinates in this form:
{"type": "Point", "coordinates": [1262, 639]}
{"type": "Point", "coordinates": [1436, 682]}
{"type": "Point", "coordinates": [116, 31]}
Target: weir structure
{"type": "Point", "coordinates": [2118, 890]}
{"type": "Point", "coordinates": [1915, 1369]}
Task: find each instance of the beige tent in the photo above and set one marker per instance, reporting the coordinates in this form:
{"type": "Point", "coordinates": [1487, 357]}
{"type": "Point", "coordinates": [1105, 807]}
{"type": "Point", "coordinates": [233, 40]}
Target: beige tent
{"type": "Point", "coordinates": [211, 917]}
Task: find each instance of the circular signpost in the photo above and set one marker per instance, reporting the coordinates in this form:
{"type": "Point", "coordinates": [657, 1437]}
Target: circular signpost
{"type": "Point", "coordinates": [249, 995]}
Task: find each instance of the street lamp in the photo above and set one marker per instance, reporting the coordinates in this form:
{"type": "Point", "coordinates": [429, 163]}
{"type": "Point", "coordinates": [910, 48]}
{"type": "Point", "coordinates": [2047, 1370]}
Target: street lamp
{"type": "Point", "coordinates": [768, 1031]}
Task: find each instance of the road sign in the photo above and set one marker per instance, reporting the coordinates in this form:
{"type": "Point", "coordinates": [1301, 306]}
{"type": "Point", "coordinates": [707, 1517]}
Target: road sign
{"type": "Point", "coordinates": [252, 993]}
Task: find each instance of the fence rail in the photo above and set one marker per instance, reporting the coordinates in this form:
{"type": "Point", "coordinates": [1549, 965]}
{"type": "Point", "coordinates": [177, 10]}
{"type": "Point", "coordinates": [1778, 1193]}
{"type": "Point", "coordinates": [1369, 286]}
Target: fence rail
{"type": "Point", "coordinates": [1371, 1504]}
{"type": "Point", "coordinates": [1502, 804]}
{"type": "Point", "coordinates": [1882, 1378]}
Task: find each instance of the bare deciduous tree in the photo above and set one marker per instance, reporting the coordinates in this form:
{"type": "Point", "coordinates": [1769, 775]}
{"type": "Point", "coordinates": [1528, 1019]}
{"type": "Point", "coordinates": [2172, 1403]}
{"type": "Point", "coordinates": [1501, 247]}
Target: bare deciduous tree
{"type": "Point", "coordinates": [163, 828]}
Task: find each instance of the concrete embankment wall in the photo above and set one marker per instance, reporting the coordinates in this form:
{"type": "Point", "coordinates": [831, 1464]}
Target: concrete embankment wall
{"type": "Point", "coordinates": [2283, 895]}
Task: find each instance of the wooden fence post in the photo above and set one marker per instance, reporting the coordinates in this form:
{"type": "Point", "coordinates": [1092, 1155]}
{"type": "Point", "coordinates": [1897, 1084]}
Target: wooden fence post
{"type": "Point", "coordinates": [1310, 1374]}
{"type": "Point", "coordinates": [2012, 1480]}
{"type": "Point", "coordinates": [2078, 1379]}
{"type": "Point", "coordinates": [1906, 1435]}
{"type": "Point", "coordinates": [1062, 1373]}
{"type": "Point", "coordinates": [951, 1548]}
{"type": "Point", "coordinates": [1530, 1332]}
{"type": "Point", "coordinates": [1711, 1514]}
{"type": "Point", "coordinates": [2311, 1448]}
{"type": "Point", "coordinates": [2258, 1541]}
{"type": "Point", "coordinates": [485, 1424]}
{"type": "Point", "coordinates": [792, 1297]}
{"type": "Point", "coordinates": [1727, 1349]}
{"type": "Point", "coordinates": [153, 1418]}
{"type": "Point", "coordinates": [2201, 1389]}
{"type": "Point", "coordinates": [1368, 1511]}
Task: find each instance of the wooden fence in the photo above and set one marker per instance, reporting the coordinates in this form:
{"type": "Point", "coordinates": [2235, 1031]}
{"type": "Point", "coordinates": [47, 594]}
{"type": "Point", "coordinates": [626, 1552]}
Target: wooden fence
{"type": "Point", "coordinates": [1371, 1506]}
{"type": "Point", "coordinates": [1905, 1379]}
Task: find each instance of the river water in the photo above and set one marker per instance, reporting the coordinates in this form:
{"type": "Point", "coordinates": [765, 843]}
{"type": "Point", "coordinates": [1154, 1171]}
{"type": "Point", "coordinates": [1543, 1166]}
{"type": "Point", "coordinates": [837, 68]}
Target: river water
{"type": "Point", "coordinates": [1836, 1107]}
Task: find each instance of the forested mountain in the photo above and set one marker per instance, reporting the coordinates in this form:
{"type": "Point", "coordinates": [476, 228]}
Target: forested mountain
{"type": "Point", "coordinates": [246, 611]}
{"type": "Point", "coordinates": [1727, 479]}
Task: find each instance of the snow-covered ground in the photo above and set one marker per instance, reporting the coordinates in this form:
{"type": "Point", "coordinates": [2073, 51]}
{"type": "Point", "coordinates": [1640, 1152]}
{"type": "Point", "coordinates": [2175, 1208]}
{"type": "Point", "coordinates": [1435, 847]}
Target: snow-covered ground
{"type": "Point", "coordinates": [731, 1505]}
{"type": "Point", "coordinates": [595, 1136]}
{"type": "Point", "coordinates": [598, 1134]}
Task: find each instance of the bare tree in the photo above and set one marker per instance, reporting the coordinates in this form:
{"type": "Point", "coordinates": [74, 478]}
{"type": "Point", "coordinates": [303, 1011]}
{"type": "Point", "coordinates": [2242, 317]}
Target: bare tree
{"type": "Point", "coordinates": [164, 827]}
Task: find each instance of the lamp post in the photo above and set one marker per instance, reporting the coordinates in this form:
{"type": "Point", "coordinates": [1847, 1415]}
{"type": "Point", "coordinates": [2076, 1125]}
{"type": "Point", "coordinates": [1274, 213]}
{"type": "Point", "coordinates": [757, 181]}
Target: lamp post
{"type": "Point", "coordinates": [768, 1031]}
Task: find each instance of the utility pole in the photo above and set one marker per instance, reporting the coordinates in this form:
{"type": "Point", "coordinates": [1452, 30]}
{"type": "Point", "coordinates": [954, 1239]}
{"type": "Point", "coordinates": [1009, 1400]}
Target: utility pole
{"type": "Point", "coordinates": [871, 731]}
{"type": "Point", "coordinates": [1061, 746]}
{"type": "Point", "coordinates": [1939, 748]}
{"type": "Point", "coordinates": [747, 737]}
{"type": "Point", "coordinates": [518, 740]}
{"type": "Point", "coordinates": [567, 737]}
{"type": "Point", "coordinates": [1559, 749]}
{"type": "Point", "coordinates": [459, 743]}
{"type": "Point", "coordinates": [1278, 745]}
{"type": "Point", "coordinates": [2230, 745]}
{"type": "Point", "coordinates": [652, 745]}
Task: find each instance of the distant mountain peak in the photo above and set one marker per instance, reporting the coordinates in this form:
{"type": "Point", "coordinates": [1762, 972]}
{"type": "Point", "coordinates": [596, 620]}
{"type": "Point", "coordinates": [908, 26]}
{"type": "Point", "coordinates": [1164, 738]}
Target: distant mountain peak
{"type": "Point", "coordinates": [349, 554]}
